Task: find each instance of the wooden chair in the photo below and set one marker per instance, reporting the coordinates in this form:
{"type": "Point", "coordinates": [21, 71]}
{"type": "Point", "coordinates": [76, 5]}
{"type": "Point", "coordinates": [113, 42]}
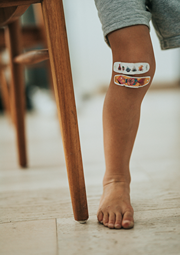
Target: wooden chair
{"type": "Point", "coordinates": [32, 36]}
{"type": "Point", "coordinates": [58, 54]}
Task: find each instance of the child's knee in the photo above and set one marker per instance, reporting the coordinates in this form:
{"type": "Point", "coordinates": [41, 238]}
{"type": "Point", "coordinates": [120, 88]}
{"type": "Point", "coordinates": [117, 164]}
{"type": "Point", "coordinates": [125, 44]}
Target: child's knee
{"type": "Point", "coordinates": [133, 57]}
{"type": "Point", "coordinates": [132, 75]}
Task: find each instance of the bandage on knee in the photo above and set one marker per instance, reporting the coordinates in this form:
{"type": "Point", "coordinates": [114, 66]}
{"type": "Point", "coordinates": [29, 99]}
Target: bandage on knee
{"type": "Point", "coordinates": [131, 68]}
{"type": "Point", "coordinates": [131, 82]}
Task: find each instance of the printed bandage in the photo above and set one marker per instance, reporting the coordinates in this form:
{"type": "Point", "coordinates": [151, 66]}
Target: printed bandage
{"type": "Point", "coordinates": [131, 82]}
{"type": "Point", "coordinates": [131, 68]}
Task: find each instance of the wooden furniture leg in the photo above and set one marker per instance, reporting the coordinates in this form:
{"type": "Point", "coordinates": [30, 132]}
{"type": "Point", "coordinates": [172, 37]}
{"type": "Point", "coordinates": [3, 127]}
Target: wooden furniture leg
{"type": "Point", "coordinates": [4, 92]}
{"type": "Point", "coordinates": [40, 23]}
{"type": "Point", "coordinates": [13, 43]}
{"type": "Point", "coordinates": [63, 87]}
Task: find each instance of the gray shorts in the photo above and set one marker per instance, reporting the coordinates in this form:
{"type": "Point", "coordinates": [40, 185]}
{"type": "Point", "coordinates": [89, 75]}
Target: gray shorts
{"type": "Point", "coordinates": [165, 15]}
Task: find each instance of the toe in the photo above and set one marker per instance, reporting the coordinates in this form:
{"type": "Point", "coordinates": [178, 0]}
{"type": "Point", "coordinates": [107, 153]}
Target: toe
{"type": "Point", "coordinates": [100, 216]}
{"type": "Point", "coordinates": [118, 220]}
{"type": "Point", "coordinates": [128, 221]}
{"type": "Point", "coordinates": [105, 219]}
{"type": "Point", "coordinates": [112, 219]}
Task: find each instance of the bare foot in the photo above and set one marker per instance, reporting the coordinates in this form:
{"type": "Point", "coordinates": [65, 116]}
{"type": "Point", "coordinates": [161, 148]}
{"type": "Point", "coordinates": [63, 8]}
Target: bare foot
{"type": "Point", "coordinates": [115, 210]}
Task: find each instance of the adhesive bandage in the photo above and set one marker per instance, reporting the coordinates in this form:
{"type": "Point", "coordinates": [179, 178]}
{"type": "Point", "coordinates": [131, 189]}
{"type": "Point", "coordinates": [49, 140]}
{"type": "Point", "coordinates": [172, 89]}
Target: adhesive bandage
{"type": "Point", "coordinates": [131, 68]}
{"type": "Point", "coordinates": [131, 82]}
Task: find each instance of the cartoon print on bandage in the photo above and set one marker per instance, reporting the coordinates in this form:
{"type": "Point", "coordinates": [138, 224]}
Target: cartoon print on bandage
{"type": "Point", "coordinates": [131, 82]}
{"type": "Point", "coordinates": [131, 68]}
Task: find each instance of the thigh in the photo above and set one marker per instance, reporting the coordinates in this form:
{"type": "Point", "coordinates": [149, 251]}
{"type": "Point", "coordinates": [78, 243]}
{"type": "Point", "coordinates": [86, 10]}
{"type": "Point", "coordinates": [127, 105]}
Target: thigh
{"type": "Point", "coordinates": [131, 44]}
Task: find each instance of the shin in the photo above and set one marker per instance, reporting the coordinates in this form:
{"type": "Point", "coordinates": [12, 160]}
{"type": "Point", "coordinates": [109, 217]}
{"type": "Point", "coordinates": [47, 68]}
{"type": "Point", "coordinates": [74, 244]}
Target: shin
{"type": "Point", "coordinates": [121, 111]}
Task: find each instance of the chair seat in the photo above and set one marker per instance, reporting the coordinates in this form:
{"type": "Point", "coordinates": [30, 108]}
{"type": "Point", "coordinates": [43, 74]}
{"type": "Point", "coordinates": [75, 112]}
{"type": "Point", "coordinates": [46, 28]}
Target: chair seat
{"type": "Point", "coordinates": [8, 3]}
{"type": "Point", "coordinates": [10, 14]}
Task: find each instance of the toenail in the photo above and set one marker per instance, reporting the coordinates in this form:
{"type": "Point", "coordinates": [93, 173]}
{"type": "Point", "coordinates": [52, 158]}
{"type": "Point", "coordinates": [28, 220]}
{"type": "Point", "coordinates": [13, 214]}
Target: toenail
{"type": "Point", "coordinates": [117, 226]}
{"type": "Point", "coordinates": [129, 223]}
{"type": "Point", "coordinates": [110, 225]}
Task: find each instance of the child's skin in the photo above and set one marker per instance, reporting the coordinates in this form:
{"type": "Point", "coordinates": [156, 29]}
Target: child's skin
{"type": "Point", "coordinates": [121, 115]}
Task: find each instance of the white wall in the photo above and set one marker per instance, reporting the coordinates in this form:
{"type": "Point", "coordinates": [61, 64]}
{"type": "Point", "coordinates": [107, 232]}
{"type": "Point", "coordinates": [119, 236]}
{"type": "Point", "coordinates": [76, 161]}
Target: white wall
{"type": "Point", "coordinates": [91, 57]}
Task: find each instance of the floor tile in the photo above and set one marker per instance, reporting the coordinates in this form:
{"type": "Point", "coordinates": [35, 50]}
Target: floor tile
{"type": "Point", "coordinates": [156, 232]}
{"type": "Point", "coordinates": [29, 237]}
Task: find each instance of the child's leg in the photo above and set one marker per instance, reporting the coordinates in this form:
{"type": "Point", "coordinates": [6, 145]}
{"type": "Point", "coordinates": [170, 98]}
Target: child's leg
{"type": "Point", "coordinates": [120, 123]}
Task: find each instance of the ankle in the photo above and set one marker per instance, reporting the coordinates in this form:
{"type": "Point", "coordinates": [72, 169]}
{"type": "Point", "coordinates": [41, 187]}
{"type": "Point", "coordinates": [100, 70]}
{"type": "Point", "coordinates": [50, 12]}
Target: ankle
{"type": "Point", "coordinates": [113, 178]}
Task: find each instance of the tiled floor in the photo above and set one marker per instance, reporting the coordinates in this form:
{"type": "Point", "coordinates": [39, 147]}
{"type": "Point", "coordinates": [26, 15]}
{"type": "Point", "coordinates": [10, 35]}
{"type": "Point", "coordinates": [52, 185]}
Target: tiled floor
{"type": "Point", "coordinates": [35, 211]}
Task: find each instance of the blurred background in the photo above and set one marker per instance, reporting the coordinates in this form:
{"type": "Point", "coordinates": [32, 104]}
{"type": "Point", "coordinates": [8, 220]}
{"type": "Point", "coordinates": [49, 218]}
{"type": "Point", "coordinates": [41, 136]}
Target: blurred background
{"type": "Point", "coordinates": [90, 59]}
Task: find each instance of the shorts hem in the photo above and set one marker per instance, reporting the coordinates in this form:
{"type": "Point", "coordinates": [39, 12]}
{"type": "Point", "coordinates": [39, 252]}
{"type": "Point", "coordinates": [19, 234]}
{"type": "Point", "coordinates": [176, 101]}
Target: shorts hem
{"type": "Point", "coordinates": [170, 43]}
{"type": "Point", "coordinates": [119, 25]}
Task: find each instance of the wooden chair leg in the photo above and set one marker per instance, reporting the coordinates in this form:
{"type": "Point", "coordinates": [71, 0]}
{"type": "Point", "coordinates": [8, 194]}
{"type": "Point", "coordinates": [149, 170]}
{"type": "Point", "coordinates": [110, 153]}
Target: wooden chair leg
{"type": "Point", "coordinates": [63, 86]}
{"type": "Point", "coordinates": [40, 23]}
{"type": "Point", "coordinates": [5, 92]}
{"type": "Point", "coordinates": [13, 43]}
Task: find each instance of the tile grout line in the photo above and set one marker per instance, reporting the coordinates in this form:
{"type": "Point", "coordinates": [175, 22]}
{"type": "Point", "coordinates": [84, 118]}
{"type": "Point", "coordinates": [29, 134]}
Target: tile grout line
{"type": "Point", "coordinates": [7, 222]}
